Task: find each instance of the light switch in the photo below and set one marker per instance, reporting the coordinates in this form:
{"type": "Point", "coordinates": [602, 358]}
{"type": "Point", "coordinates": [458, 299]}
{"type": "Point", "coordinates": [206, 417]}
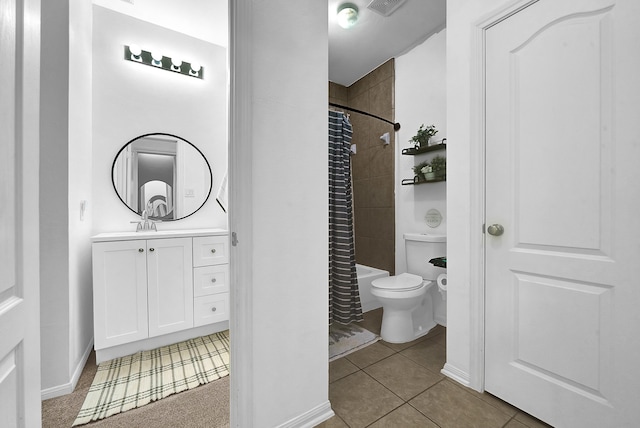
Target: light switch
{"type": "Point", "coordinates": [83, 209]}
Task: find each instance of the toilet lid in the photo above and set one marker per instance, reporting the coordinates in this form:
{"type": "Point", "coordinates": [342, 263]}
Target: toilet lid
{"type": "Point", "coordinates": [402, 282]}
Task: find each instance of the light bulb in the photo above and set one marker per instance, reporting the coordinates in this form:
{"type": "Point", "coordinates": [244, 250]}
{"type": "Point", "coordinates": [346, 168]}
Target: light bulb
{"type": "Point", "coordinates": [195, 68]}
{"type": "Point", "coordinates": [135, 52]}
{"type": "Point", "coordinates": [157, 58]}
{"type": "Point", "coordinates": [176, 63]}
{"type": "Point", "coordinates": [347, 15]}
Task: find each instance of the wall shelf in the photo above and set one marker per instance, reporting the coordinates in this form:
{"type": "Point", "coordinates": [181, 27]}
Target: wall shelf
{"type": "Point", "coordinates": [417, 180]}
{"type": "Point", "coordinates": [413, 151]}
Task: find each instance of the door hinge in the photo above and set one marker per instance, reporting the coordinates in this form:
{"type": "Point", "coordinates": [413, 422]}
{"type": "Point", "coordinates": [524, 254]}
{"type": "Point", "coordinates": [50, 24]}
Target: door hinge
{"type": "Point", "coordinates": [234, 239]}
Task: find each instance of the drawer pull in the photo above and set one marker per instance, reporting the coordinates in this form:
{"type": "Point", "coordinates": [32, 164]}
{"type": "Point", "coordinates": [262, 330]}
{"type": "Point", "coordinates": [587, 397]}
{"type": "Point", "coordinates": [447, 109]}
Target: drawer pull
{"type": "Point", "coordinates": [213, 280]}
{"type": "Point", "coordinates": [152, 249]}
{"type": "Point", "coordinates": [213, 309]}
{"type": "Point", "coordinates": [140, 250]}
{"type": "Point", "coordinates": [213, 250]}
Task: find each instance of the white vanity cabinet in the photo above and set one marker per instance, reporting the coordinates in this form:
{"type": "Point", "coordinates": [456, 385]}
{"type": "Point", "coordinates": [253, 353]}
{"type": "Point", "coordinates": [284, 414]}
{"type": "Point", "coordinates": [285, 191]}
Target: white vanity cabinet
{"type": "Point", "coordinates": [156, 288]}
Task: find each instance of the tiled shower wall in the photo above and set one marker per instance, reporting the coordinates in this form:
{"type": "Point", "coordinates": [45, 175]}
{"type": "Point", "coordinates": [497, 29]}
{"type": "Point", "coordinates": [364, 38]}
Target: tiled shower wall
{"type": "Point", "coordinates": [372, 165]}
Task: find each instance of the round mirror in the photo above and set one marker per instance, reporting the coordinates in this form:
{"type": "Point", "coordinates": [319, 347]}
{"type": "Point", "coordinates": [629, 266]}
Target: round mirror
{"type": "Point", "coordinates": [163, 175]}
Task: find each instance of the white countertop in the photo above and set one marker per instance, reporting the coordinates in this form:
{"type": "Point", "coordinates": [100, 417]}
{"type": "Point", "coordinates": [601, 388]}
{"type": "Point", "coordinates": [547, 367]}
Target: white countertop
{"type": "Point", "coordinates": [126, 236]}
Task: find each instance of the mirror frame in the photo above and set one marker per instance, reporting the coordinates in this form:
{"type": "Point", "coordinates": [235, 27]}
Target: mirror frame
{"type": "Point", "coordinates": [113, 165]}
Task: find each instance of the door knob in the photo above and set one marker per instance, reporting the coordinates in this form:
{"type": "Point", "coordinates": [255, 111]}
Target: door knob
{"type": "Point", "coordinates": [495, 229]}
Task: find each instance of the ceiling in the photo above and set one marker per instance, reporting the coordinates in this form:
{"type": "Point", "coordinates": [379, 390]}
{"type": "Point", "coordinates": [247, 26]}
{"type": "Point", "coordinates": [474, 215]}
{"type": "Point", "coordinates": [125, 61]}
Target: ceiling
{"type": "Point", "coordinates": [354, 52]}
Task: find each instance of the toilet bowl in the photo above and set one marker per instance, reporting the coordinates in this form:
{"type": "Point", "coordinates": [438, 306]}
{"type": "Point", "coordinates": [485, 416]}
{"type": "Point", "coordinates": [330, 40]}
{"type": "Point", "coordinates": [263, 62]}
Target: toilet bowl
{"type": "Point", "coordinates": [407, 306]}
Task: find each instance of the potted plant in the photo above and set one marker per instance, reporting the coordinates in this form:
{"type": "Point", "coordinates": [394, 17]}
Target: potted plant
{"type": "Point", "coordinates": [422, 137]}
{"type": "Point", "coordinates": [421, 170]}
{"type": "Point", "coordinates": [439, 166]}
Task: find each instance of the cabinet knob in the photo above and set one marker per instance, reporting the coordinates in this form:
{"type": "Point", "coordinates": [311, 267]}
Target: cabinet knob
{"type": "Point", "coordinates": [213, 309]}
{"type": "Point", "coordinates": [213, 280]}
{"type": "Point", "coordinates": [213, 250]}
{"type": "Point", "coordinates": [140, 250]}
{"type": "Point", "coordinates": [152, 249]}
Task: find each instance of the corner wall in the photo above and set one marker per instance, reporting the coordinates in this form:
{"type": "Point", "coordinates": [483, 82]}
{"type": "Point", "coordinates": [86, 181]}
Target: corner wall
{"type": "Point", "coordinates": [421, 98]}
{"type": "Point", "coordinates": [66, 316]}
{"type": "Point", "coordinates": [372, 166]}
{"type": "Point", "coordinates": [54, 188]}
{"type": "Point", "coordinates": [283, 230]}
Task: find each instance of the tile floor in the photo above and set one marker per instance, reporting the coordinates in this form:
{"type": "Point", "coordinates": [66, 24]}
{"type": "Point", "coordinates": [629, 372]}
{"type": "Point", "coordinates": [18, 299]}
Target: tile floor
{"type": "Point", "coordinates": [400, 386]}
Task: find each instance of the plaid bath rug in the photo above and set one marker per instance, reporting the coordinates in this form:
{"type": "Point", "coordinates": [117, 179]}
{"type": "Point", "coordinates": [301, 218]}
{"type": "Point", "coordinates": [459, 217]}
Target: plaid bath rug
{"type": "Point", "coordinates": [128, 382]}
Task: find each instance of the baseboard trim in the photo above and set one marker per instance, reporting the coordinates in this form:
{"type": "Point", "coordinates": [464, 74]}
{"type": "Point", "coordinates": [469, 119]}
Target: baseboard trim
{"type": "Point", "coordinates": [456, 374]}
{"type": "Point", "coordinates": [67, 388]}
{"type": "Point", "coordinates": [311, 418]}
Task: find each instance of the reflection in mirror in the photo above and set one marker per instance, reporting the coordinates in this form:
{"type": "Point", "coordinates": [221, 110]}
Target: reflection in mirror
{"type": "Point", "coordinates": [162, 174]}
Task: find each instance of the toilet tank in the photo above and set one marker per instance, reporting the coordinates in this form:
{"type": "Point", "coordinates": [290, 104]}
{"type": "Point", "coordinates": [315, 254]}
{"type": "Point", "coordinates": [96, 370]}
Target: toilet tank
{"type": "Point", "coordinates": [422, 247]}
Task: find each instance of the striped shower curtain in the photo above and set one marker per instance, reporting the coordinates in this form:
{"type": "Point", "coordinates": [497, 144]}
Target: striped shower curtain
{"type": "Point", "coordinates": [344, 298]}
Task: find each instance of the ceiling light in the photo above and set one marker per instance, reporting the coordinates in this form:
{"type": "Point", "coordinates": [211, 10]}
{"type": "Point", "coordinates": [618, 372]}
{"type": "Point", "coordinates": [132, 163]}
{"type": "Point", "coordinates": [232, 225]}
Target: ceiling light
{"type": "Point", "coordinates": [347, 15]}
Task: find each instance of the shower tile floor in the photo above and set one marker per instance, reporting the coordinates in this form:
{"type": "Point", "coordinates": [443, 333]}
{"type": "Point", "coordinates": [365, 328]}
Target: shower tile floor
{"type": "Point", "coordinates": [400, 386]}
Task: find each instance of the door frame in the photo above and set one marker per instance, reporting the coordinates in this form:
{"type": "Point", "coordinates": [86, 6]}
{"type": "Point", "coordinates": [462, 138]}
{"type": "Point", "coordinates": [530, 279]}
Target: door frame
{"type": "Point", "coordinates": [477, 135]}
{"type": "Point", "coordinates": [240, 55]}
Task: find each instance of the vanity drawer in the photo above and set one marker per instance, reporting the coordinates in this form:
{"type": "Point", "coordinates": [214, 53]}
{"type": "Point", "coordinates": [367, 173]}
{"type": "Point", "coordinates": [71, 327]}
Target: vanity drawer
{"type": "Point", "coordinates": [210, 280]}
{"type": "Point", "coordinates": [210, 309]}
{"type": "Point", "coordinates": [210, 250]}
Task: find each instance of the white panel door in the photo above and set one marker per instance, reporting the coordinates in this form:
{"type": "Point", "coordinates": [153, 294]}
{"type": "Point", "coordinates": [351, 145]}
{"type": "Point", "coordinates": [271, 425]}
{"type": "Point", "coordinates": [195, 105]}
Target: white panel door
{"type": "Point", "coordinates": [19, 240]}
{"type": "Point", "coordinates": [170, 282]}
{"type": "Point", "coordinates": [119, 292]}
{"type": "Point", "coordinates": [562, 178]}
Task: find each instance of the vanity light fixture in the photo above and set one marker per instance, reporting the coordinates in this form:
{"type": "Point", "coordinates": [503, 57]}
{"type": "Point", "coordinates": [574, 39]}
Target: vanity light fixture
{"type": "Point", "coordinates": [155, 58]}
{"type": "Point", "coordinates": [347, 15]}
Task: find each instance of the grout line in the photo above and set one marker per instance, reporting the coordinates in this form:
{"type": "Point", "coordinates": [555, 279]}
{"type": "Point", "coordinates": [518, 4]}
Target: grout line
{"type": "Point", "coordinates": [509, 421]}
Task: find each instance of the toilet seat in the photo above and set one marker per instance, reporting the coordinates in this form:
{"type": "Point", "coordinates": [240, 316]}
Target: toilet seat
{"type": "Point", "coordinates": [402, 282]}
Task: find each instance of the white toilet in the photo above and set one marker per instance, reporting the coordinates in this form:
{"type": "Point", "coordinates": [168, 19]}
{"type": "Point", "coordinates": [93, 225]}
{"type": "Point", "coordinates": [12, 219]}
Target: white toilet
{"type": "Point", "coordinates": [406, 303]}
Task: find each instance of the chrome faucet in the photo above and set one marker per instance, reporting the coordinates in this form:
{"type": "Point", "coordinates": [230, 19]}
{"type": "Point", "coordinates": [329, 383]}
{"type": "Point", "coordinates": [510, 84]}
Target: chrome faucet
{"type": "Point", "coordinates": [145, 225]}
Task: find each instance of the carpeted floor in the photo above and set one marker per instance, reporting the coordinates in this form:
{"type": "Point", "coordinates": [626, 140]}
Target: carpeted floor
{"type": "Point", "coordinates": [206, 406]}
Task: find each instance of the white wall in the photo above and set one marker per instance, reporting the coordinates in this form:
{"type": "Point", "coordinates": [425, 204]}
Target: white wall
{"type": "Point", "coordinates": [421, 98]}
{"type": "Point", "coordinates": [54, 187]}
{"type": "Point", "coordinates": [80, 148]}
{"type": "Point", "coordinates": [461, 15]}
{"type": "Point", "coordinates": [286, 230]}
{"type": "Point", "coordinates": [65, 173]}
{"type": "Point", "coordinates": [202, 19]}
{"type": "Point", "coordinates": [130, 99]}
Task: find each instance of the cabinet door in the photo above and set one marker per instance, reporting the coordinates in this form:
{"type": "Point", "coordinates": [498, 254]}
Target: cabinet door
{"type": "Point", "coordinates": [119, 292]}
{"type": "Point", "coordinates": [170, 284]}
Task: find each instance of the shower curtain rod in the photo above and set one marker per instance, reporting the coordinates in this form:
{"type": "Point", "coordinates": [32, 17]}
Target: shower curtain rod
{"type": "Point", "coordinates": [396, 125]}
